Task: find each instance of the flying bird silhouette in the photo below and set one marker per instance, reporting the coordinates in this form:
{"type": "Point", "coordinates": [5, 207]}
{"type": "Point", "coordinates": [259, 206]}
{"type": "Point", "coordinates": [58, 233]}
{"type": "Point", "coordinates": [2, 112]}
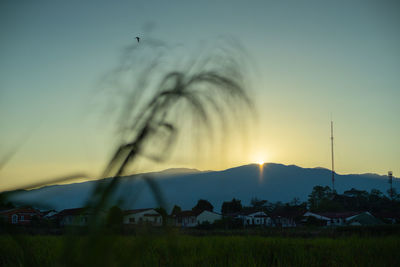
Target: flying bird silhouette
{"type": "Point", "coordinates": [138, 39]}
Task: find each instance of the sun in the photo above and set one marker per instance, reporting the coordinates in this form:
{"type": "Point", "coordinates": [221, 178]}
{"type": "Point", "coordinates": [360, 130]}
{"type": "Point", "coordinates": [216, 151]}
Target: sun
{"type": "Point", "coordinates": [259, 158]}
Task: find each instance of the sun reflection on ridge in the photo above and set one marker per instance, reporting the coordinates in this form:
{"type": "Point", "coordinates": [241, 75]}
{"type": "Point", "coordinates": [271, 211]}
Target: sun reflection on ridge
{"type": "Point", "coordinates": [261, 167]}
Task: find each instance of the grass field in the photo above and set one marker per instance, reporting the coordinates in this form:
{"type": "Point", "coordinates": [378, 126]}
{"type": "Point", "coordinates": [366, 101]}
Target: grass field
{"type": "Point", "coordinates": [180, 250]}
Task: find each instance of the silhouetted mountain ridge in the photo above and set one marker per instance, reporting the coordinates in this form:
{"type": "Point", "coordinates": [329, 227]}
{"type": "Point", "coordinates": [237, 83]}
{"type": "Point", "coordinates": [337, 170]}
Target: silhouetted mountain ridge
{"type": "Point", "coordinates": [272, 181]}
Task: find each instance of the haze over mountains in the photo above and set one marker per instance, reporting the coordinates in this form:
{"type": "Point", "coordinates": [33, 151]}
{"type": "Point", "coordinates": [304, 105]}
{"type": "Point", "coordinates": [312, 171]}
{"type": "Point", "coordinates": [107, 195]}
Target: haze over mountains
{"type": "Point", "coordinates": [273, 182]}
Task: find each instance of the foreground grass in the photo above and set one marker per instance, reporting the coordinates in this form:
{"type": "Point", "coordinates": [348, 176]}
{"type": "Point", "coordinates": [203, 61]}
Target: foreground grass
{"type": "Point", "coordinates": [178, 250]}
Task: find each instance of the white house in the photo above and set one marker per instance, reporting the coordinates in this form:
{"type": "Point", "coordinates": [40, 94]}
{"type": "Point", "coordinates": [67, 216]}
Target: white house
{"type": "Point", "coordinates": [285, 218]}
{"type": "Point", "coordinates": [208, 216]}
{"type": "Point", "coordinates": [142, 216]}
{"type": "Point", "coordinates": [73, 217]}
{"type": "Point", "coordinates": [254, 218]}
{"type": "Point", "coordinates": [333, 218]}
{"type": "Point", "coordinates": [317, 216]}
{"type": "Point", "coordinates": [189, 218]}
{"type": "Point", "coordinates": [186, 218]}
{"type": "Point", "coordinates": [364, 218]}
{"type": "Point", "coordinates": [388, 217]}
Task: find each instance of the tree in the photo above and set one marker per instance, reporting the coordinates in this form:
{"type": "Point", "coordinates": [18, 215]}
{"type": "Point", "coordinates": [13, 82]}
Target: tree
{"type": "Point", "coordinates": [163, 214]}
{"type": "Point", "coordinates": [278, 206]}
{"type": "Point", "coordinates": [319, 194]}
{"type": "Point", "coordinates": [376, 194]}
{"type": "Point", "coordinates": [257, 203]}
{"type": "Point", "coordinates": [356, 193]}
{"type": "Point", "coordinates": [115, 216]}
{"type": "Point", "coordinates": [360, 199]}
{"type": "Point", "coordinates": [393, 194]}
{"type": "Point", "coordinates": [295, 202]}
{"type": "Point", "coordinates": [202, 205]}
{"type": "Point", "coordinates": [4, 203]}
{"type": "Point", "coordinates": [231, 206]}
{"type": "Point", "coordinates": [176, 209]}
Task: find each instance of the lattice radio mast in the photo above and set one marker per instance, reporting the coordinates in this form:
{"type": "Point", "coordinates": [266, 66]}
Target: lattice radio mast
{"type": "Point", "coordinates": [390, 174]}
{"type": "Point", "coordinates": [333, 163]}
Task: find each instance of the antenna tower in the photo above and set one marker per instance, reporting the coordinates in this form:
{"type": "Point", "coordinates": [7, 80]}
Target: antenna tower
{"type": "Point", "coordinates": [333, 163]}
{"type": "Point", "coordinates": [390, 174]}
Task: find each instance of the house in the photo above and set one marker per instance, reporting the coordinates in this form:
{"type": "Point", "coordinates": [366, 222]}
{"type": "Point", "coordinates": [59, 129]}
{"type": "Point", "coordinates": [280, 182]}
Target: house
{"type": "Point", "coordinates": [364, 218]}
{"type": "Point", "coordinates": [253, 218]}
{"type": "Point", "coordinates": [186, 218]}
{"type": "Point", "coordinates": [73, 217]}
{"type": "Point", "coordinates": [324, 220]}
{"type": "Point", "coordinates": [189, 218]}
{"type": "Point", "coordinates": [20, 216]}
{"type": "Point", "coordinates": [336, 218]}
{"type": "Point", "coordinates": [143, 216]}
{"type": "Point", "coordinates": [49, 214]}
{"type": "Point", "coordinates": [286, 218]}
{"type": "Point", "coordinates": [208, 216]}
{"type": "Point", "coordinates": [390, 217]}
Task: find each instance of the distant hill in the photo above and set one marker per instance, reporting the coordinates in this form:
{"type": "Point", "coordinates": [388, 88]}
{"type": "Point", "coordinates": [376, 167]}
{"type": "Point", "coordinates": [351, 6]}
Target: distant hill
{"type": "Point", "coordinates": [274, 182]}
{"type": "Point", "coordinates": [179, 171]}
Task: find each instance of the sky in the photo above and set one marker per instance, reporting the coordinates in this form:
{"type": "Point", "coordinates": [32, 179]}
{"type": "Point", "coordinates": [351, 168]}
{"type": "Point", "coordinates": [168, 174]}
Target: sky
{"type": "Point", "coordinates": [310, 62]}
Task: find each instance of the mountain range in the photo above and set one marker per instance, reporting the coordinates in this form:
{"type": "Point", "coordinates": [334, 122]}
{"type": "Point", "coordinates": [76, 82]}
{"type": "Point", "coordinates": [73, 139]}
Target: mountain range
{"type": "Point", "coordinates": [184, 187]}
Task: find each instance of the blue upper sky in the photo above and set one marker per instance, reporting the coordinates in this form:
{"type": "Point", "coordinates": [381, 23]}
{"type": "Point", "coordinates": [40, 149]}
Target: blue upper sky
{"type": "Point", "coordinates": [310, 60]}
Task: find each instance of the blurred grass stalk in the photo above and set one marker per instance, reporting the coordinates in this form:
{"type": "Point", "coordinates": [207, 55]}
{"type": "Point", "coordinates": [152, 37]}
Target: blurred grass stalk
{"type": "Point", "coordinates": [209, 90]}
{"type": "Point", "coordinates": [152, 102]}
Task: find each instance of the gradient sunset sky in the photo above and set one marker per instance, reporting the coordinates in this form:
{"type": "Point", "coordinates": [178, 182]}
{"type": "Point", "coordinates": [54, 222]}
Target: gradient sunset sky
{"type": "Point", "coordinates": [310, 59]}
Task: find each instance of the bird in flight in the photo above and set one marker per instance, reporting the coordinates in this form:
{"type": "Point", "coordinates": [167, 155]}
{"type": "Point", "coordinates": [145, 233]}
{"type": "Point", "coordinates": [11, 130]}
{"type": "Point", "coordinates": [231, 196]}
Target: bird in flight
{"type": "Point", "coordinates": [138, 39]}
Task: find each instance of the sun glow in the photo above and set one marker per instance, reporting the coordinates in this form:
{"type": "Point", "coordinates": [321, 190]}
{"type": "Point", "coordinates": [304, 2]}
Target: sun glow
{"type": "Point", "coordinates": [259, 159]}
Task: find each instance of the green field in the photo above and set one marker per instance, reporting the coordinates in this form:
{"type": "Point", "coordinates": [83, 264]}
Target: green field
{"type": "Point", "coordinates": [180, 250]}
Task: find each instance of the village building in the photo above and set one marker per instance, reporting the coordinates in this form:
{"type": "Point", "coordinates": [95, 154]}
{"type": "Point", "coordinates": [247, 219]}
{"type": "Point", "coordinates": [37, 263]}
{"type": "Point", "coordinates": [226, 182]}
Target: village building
{"type": "Point", "coordinates": [331, 218]}
{"type": "Point", "coordinates": [208, 216]}
{"type": "Point", "coordinates": [286, 218]}
{"type": "Point", "coordinates": [253, 218]}
{"type": "Point", "coordinates": [20, 216]}
{"type": "Point", "coordinates": [143, 216]}
{"type": "Point", "coordinates": [364, 218]}
{"type": "Point", "coordinates": [317, 216]}
{"type": "Point", "coordinates": [343, 218]}
{"type": "Point", "coordinates": [49, 214]}
{"type": "Point", "coordinates": [390, 217]}
{"type": "Point", "coordinates": [186, 218]}
{"type": "Point", "coordinates": [191, 218]}
{"type": "Point", "coordinates": [73, 217]}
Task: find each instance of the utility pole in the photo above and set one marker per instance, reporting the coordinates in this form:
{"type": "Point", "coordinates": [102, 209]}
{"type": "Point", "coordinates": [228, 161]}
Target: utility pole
{"type": "Point", "coordinates": [333, 163]}
{"type": "Point", "coordinates": [390, 174]}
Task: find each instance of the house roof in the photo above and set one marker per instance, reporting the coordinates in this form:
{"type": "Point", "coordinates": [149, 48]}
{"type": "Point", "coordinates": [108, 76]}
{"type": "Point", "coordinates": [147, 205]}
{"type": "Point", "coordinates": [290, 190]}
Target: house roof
{"type": "Point", "coordinates": [152, 215]}
{"type": "Point", "coordinates": [245, 213]}
{"type": "Point", "coordinates": [20, 210]}
{"type": "Point", "coordinates": [188, 213]}
{"type": "Point", "coordinates": [72, 212]}
{"type": "Point", "coordinates": [387, 214]}
{"type": "Point", "coordinates": [136, 211]}
{"type": "Point", "coordinates": [286, 214]}
{"type": "Point", "coordinates": [5, 211]}
{"type": "Point", "coordinates": [48, 213]}
{"type": "Point", "coordinates": [365, 219]}
{"type": "Point", "coordinates": [211, 212]}
{"type": "Point", "coordinates": [334, 215]}
{"type": "Point", "coordinates": [249, 212]}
